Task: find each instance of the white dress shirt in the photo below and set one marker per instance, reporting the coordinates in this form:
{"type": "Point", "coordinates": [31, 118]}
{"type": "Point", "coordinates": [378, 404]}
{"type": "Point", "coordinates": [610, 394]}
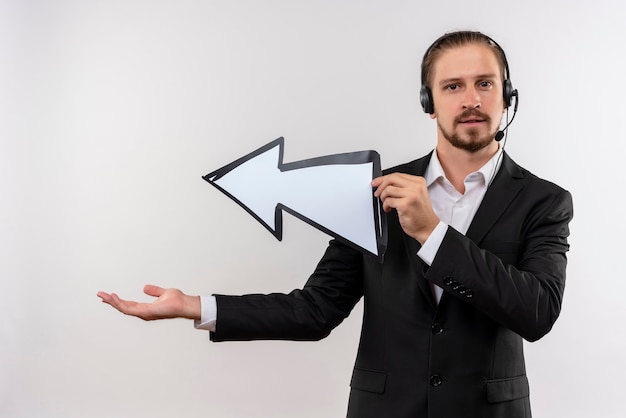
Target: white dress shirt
{"type": "Point", "coordinates": [454, 209]}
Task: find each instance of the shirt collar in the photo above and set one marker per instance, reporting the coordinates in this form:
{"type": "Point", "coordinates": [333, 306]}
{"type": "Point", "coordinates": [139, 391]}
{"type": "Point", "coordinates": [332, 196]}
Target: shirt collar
{"type": "Point", "coordinates": [434, 171]}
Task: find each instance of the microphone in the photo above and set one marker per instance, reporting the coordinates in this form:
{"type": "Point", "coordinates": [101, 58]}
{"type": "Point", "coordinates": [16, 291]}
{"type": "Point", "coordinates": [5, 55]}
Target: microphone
{"type": "Point", "coordinates": [500, 133]}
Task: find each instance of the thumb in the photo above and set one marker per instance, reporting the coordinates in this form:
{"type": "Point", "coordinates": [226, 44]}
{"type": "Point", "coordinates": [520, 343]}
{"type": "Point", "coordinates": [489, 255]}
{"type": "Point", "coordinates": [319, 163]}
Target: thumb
{"type": "Point", "coordinates": [153, 290]}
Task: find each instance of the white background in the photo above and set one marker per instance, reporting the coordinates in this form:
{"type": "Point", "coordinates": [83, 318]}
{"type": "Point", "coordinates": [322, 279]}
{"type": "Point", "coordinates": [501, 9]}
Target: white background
{"type": "Point", "coordinates": [111, 111]}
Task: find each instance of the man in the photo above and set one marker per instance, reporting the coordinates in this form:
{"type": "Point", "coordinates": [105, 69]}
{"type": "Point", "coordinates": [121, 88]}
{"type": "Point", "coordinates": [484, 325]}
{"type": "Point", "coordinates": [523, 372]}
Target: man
{"type": "Point", "coordinates": [475, 263]}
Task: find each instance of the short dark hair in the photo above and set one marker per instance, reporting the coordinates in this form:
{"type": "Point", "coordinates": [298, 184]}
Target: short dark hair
{"type": "Point", "coordinates": [455, 40]}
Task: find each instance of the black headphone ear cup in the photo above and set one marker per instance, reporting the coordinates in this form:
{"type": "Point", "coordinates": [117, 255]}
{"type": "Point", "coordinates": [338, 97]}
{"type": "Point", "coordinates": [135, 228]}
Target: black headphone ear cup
{"type": "Point", "coordinates": [426, 99]}
{"type": "Point", "coordinates": [507, 92]}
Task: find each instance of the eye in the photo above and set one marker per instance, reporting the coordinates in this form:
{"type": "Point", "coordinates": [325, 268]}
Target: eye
{"type": "Point", "coordinates": [485, 84]}
{"type": "Point", "coordinates": [452, 87]}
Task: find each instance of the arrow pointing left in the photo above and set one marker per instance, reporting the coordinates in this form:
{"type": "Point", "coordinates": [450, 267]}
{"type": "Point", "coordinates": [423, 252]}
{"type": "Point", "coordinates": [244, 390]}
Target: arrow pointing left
{"type": "Point", "coordinates": [331, 193]}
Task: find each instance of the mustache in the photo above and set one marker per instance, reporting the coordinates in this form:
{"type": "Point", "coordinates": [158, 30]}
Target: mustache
{"type": "Point", "coordinates": [467, 113]}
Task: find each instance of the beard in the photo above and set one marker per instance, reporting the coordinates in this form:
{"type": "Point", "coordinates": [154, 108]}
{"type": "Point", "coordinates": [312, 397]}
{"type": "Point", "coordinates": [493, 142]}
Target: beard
{"type": "Point", "coordinates": [474, 141]}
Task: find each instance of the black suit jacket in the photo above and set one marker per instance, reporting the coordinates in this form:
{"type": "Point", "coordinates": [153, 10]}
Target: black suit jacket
{"type": "Point", "coordinates": [503, 281]}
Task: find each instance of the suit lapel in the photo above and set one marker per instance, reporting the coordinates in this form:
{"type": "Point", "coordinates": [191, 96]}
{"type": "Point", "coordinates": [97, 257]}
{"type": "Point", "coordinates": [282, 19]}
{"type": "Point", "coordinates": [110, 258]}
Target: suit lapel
{"type": "Point", "coordinates": [506, 185]}
{"type": "Point", "coordinates": [418, 267]}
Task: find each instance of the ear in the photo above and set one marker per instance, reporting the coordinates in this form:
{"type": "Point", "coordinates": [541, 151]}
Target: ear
{"type": "Point", "coordinates": [433, 115]}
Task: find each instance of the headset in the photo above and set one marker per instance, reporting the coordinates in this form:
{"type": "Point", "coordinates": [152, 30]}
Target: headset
{"type": "Point", "coordinates": [508, 92]}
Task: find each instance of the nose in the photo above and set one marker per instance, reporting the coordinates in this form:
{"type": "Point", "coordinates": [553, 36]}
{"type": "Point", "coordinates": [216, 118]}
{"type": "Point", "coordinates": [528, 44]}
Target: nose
{"type": "Point", "coordinates": [471, 99]}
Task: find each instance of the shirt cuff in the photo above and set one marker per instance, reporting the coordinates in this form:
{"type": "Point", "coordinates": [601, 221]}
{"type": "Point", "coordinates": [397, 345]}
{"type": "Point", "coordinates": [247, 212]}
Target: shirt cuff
{"type": "Point", "coordinates": [208, 314]}
{"type": "Point", "coordinates": [429, 249]}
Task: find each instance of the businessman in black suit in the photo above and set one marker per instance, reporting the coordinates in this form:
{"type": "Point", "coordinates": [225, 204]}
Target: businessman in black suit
{"type": "Point", "coordinates": [475, 263]}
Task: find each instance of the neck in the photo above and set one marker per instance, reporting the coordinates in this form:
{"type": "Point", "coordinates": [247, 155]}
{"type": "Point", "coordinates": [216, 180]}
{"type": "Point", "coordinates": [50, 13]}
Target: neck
{"type": "Point", "coordinates": [457, 163]}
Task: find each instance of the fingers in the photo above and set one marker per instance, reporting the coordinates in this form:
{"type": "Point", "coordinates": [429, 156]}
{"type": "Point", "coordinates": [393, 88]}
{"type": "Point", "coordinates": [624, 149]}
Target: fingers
{"type": "Point", "coordinates": [114, 300]}
{"type": "Point", "coordinates": [398, 189]}
{"type": "Point", "coordinates": [408, 195]}
{"type": "Point", "coordinates": [119, 304]}
{"type": "Point", "coordinates": [152, 290]}
{"type": "Point", "coordinates": [103, 295]}
{"type": "Point", "coordinates": [382, 185]}
{"type": "Point", "coordinates": [124, 306]}
{"type": "Point", "coordinates": [397, 180]}
{"type": "Point", "coordinates": [106, 297]}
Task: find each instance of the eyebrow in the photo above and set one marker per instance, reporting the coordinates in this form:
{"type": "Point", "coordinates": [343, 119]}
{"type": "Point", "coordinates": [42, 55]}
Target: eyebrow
{"type": "Point", "coordinates": [478, 77]}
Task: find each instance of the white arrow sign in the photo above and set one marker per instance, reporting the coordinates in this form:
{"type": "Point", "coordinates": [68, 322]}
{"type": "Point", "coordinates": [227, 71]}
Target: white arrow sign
{"type": "Point", "coordinates": [331, 193]}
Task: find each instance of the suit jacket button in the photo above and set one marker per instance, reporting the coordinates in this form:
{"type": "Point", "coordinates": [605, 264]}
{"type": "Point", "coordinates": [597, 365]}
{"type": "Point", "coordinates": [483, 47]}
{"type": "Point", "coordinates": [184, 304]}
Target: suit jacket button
{"type": "Point", "coordinates": [437, 329]}
{"type": "Point", "coordinates": [468, 293]}
{"type": "Point", "coordinates": [448, 280]}
{"type": "Point", "coordinates": [435, 380]}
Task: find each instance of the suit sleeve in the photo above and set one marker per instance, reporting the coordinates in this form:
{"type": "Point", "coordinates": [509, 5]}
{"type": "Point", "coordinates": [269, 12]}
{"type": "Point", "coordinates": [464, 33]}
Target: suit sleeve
{"type": "Point", "coordinates": [524, 295]}
{"type": "Point", "coordinates": [306, 314]}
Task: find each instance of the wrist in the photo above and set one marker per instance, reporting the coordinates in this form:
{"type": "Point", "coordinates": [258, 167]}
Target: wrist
{"type": "Point", "coordinates": [192, 307]}
{"type": "Point", "coordinates": [423, 235]}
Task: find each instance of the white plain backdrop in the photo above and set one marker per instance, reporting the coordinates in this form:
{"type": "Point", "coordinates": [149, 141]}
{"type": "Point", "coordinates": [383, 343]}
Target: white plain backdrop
{"type": "Point", "coordinates": [111, 111]}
